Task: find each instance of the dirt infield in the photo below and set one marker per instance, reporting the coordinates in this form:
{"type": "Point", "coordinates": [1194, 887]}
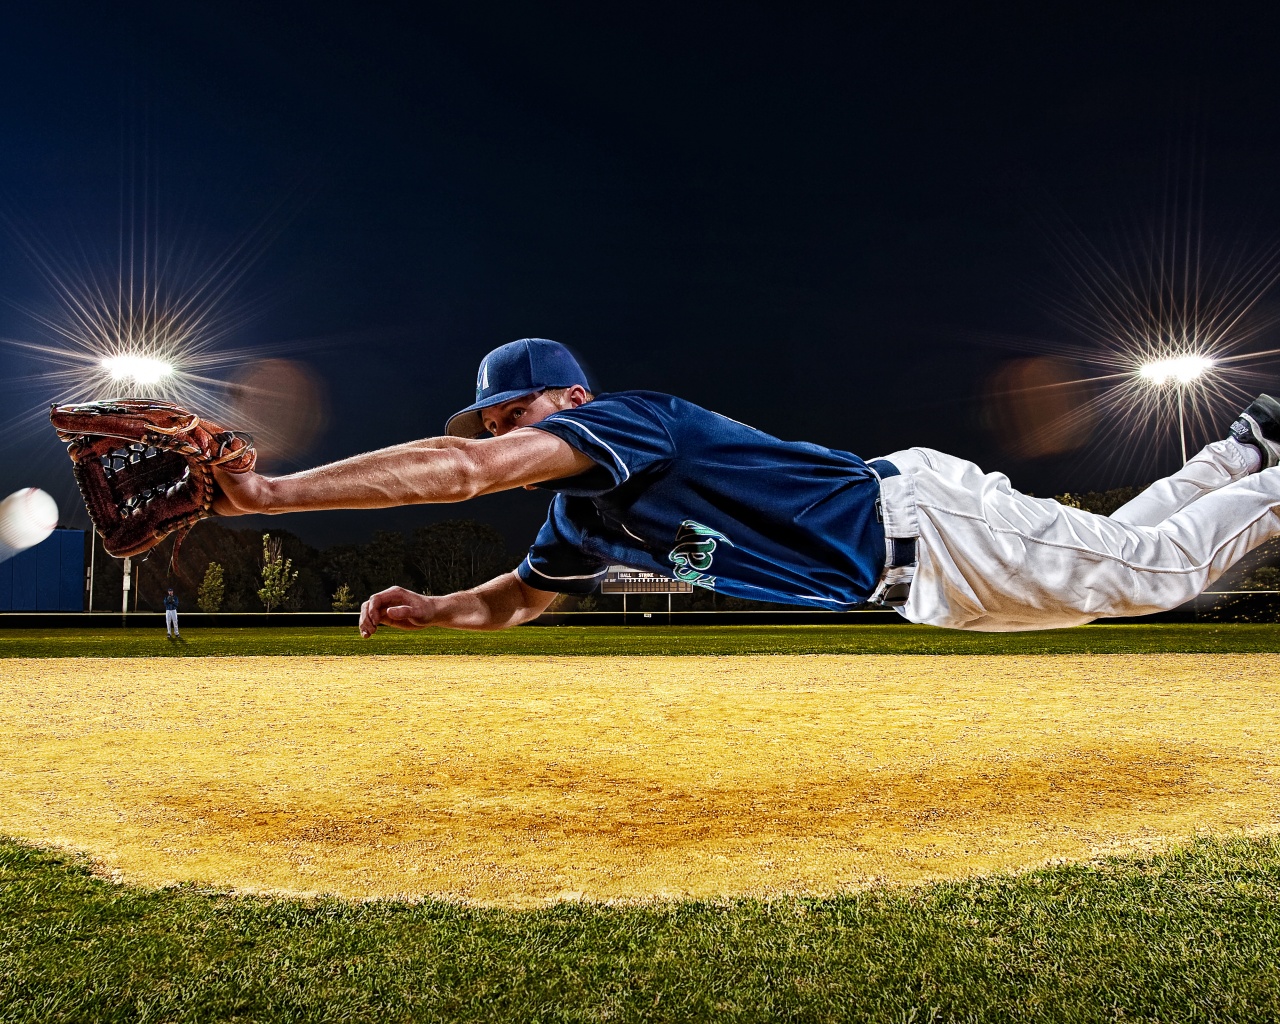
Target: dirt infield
{"type": "Point", "coordinates": [516, 781]}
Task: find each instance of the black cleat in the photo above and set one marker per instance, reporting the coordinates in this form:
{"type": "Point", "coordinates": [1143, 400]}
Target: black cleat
{"type": "Point", "coordinates": [1259, 425]}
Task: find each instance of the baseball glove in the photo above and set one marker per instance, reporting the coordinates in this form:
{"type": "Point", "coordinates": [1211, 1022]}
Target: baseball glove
{"type": "Point", "coordinates": [145, 469]}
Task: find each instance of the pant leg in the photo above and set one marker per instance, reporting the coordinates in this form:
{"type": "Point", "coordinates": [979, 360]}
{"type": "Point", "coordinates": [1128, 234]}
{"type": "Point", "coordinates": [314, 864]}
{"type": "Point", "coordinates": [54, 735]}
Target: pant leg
{"type": "Point", "coordinates": [992, 558]}
{"type": "Point", "coordinates": [1214, 466]}
{"type": "Point", "coordinates": [170, 621]}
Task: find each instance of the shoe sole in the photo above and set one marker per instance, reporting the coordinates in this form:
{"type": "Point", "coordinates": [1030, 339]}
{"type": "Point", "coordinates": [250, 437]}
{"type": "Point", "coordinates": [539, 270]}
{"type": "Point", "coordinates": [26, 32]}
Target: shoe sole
{"type": "Point", "coordinates": [1254, 433]}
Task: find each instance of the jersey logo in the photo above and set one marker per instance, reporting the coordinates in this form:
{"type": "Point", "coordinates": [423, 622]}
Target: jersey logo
{"type": "Point", "coordinates": [694, 550]}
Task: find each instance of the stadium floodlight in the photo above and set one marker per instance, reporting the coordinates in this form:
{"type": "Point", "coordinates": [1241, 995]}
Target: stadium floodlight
{"type": "Point", "coordinates": [1180, 371]}
{"type": "Point", "coordinates": [139, 369]}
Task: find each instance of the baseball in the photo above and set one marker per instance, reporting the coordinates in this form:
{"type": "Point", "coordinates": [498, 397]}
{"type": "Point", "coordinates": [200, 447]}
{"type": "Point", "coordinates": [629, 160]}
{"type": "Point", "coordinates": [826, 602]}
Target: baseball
{"type": "Point", "coordinates": [27, 517]}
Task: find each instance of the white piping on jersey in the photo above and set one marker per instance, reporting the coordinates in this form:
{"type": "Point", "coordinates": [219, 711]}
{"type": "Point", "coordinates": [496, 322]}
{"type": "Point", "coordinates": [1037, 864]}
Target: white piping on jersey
{"type": "Point", "coordinates": [616, 457]}
{"type": "Point", "coordinates": [590, 576]}
{"type": "Point", "coordinates": [630, 534]}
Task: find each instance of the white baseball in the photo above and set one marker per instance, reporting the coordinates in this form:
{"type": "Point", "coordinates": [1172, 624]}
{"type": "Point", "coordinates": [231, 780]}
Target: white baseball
{"type": "Point", "coordinates": [27, 517]}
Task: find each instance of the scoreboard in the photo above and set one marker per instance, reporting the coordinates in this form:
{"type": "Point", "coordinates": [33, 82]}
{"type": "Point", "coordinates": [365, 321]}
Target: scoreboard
{"type": "Point", "coordinates": [622, 579]}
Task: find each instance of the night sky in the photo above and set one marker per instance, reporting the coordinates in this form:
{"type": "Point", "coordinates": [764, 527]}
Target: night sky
{"type": "Point", "coordinates": [835, 227]}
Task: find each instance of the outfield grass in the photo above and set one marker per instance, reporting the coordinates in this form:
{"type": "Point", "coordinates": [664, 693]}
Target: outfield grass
{"type": "Point", "coordinates": [542, 641]}
{"type": "Point", "coordinates": [1188, 936]}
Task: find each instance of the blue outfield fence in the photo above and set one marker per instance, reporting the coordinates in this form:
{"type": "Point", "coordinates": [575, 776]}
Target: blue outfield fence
{"type": "Point", "coordinates": [46, 578]}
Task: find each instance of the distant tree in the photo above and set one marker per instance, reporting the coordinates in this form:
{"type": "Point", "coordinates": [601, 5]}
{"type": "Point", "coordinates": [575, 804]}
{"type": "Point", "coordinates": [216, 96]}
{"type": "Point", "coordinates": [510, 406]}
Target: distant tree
{"type": "Point", "coordinates": [235, 551]}
{"type": "Point", "coordinates": [343, 601]}
{"type": "Point", "coordinates": [345, 563]}
{"type": "Point", "coordinates": [308, 592]}
{"type": "Point", "coordinates": [457, 554]}
{"type": "Point", "coordinates": [278, 574]}
{"type": "Point", "coordinates": [1265, 577]}
{"type": "Point", "coordinates": [560, 603]}
{"type": "Point", "coordinates": [384, 558]}
{"type": "Point", "coordinates": [1102, 503]}
{"type": "Point", "coordinates": [212, 589]}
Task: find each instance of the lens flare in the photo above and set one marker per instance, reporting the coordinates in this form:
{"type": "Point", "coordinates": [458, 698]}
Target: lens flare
{"type": "Point", "coordinates": [1180, 369]}
{"type": "Point", "coordinates": [144, 370]}
{"type": "Point", "coordinates": [1172, 330]}
{"type": "Point", "coordinates": [156, 315]}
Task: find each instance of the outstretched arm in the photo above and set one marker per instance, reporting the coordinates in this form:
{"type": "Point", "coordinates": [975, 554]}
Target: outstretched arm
{"type": "Point", "coordinates": [502, 602]}
{"type": "Point", "coordinates": [437, 469]}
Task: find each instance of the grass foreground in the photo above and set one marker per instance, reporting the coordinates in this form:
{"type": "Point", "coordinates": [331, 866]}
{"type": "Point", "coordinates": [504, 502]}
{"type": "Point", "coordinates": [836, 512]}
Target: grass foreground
{"type": "Point", "coordinates": [564, 641]}
{"type": "Point", "coordinates": [1188, 935]}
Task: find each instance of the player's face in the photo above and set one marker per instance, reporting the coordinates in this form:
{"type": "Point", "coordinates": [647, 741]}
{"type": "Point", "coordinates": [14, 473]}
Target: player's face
{"type": "Point", "coordinates": [519, 412]}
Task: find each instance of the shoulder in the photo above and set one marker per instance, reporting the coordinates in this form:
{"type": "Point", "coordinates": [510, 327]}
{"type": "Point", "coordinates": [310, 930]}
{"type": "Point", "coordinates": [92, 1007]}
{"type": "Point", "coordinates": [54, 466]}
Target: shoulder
{"type": "Point", "coordinates": [636, 402]}
{"type": "Point", "coordinates": [623, 432]}
{"type": "Point", "coordinates": [625, 412]}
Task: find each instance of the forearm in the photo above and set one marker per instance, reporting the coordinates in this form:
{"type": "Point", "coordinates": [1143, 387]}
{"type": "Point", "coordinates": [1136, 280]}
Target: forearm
{"type": "Point", "coordinates": [498, 604]}
{"type": "Point", "coordinates": [420, 472]}
{"type": "Point", "coordinates": [437, 469]}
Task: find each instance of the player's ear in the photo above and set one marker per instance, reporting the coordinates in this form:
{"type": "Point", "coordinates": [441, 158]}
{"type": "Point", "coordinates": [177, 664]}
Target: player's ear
{"type": "Point", "coordinates": [576, 396]}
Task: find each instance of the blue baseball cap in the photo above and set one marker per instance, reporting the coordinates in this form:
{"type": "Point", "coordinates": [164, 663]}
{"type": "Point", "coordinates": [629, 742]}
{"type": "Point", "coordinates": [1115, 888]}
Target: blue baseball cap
{"type": "Point", "coordinates": [514, 370]}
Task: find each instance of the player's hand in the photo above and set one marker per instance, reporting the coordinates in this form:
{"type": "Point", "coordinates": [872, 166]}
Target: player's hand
{"type": "Point", "coordinates": [240, 494]}
{"type": "Point", "coordinates": [396, 607]}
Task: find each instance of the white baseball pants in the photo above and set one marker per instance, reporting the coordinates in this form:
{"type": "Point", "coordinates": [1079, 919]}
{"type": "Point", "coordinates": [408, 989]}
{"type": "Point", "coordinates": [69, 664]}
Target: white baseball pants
{"type": "Point", "coordinates": [991, 558]}
{"type": "Point", "coordinates": [171, 621]}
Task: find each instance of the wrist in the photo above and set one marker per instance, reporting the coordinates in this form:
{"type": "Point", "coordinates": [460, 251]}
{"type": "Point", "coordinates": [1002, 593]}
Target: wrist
{"type": "Point", "coordinates": [268, 495]}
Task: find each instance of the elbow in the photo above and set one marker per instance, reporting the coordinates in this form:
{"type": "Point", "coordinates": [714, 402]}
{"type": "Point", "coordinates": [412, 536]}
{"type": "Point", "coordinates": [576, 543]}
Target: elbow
{"type": "Point", "coordinates": [463, 480]}
{"type": "Point", "coordinates": [472, 478]}
{"type": "Point", "coordinates": [467, 487]}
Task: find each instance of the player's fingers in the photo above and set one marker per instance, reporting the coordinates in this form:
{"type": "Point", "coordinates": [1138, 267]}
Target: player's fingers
{"type": "Point", "coordinates": [403, 615]}
{"type": "Point", "coordinates": [373, 613]}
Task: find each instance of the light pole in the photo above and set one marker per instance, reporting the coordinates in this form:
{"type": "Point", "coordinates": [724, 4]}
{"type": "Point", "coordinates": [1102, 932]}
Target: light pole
{"type": "Point", "coordinates": [1180, 371]}
{"type": "Point", "coordinates": [148, 371]}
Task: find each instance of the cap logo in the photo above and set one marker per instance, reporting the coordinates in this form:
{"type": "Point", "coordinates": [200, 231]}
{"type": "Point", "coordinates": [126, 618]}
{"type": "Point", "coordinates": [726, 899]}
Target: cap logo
{"type": "Point", "coordinates": [483, 383]}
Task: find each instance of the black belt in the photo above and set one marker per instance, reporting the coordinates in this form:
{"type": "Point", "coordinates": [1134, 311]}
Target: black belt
{"type": "Point", "coordinates": [900, 552]}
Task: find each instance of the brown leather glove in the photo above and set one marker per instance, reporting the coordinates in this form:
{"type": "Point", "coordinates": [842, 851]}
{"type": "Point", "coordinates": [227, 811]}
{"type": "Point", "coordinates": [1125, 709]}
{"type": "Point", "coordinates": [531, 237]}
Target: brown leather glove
{"type": "Point", "coordinates": [145, 468]}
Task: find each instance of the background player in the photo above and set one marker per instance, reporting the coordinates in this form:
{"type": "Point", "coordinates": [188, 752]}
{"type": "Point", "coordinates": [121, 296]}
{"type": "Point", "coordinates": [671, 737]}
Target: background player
{"type": "Point", "coordinates": [651, 481]}
{"type": "Point", "coordinates": [171, 615]}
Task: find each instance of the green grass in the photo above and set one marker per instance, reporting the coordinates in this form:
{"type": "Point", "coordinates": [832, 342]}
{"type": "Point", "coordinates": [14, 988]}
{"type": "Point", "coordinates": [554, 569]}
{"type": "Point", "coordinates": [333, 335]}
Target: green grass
{"type": "Point", "coordinates": [542, 641]}
{"type": "Point", "coordinates": [1192, 935]}
{"type": "Point", "coordinates": [1188, 936]}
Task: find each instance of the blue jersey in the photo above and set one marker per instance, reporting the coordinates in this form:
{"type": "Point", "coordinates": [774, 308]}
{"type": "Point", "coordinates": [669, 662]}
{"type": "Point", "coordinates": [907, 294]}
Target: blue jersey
{"type": "Point", "coordinates": [681, 491]}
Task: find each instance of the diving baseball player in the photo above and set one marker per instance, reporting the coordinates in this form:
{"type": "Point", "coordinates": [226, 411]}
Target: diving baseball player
{"type": "Point", "coordinates": [654, 482]}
